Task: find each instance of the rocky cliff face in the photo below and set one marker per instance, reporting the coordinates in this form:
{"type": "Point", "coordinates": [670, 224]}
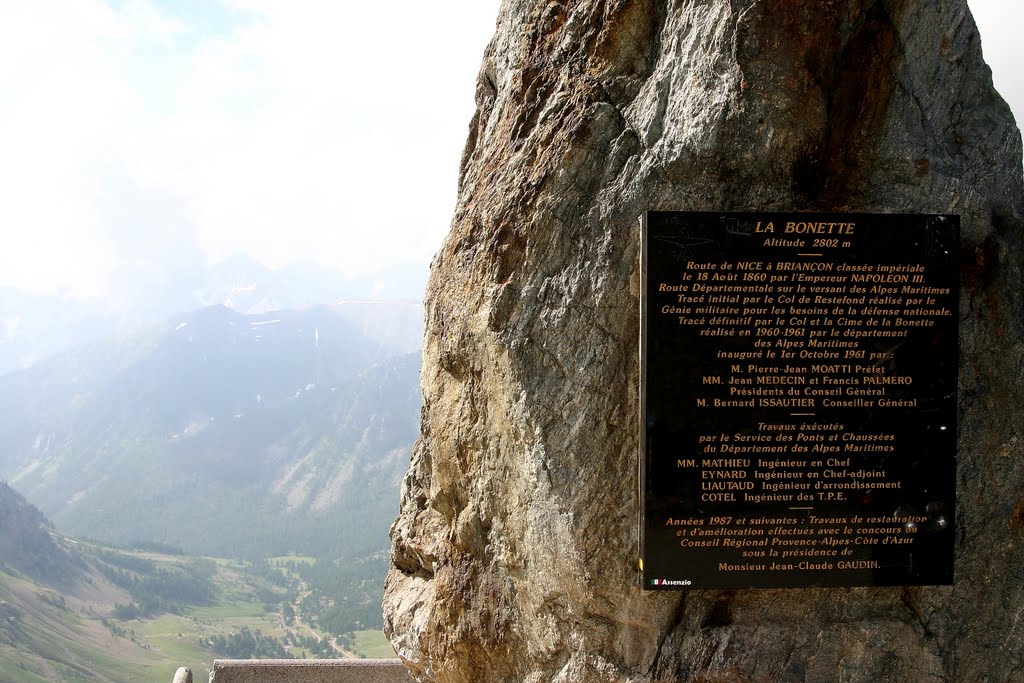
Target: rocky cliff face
{"type": "Point", "coordinates": [515, 552]}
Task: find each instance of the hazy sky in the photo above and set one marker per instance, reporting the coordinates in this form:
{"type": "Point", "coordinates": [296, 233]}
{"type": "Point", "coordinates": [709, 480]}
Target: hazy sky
{"type": "Point", "coordinates": [135, 133]}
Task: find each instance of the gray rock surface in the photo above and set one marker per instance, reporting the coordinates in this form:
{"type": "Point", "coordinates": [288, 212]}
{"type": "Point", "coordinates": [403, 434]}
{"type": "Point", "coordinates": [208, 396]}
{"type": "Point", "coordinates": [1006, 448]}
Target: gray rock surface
{"type": "Point", "coordinates": [515, 551]}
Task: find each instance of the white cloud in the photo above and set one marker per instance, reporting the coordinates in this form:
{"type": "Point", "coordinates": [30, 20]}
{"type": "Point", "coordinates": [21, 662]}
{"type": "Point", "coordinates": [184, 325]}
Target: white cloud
{"type": "Point", "coordinates": [138, 133]}
{"type": "Point", "coordinates": [299, 130]}
{"type": "Point", "coordinates": [61, 104]}
{"type": "Point", "coordinates": [999, 23]}
{"type": "Point", "coordinates": [352, 147]}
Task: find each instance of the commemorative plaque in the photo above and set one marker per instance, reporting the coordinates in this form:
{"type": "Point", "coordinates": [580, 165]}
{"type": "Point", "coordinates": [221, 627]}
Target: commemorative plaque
{"type": "Point", "coordinates": [798, 399]}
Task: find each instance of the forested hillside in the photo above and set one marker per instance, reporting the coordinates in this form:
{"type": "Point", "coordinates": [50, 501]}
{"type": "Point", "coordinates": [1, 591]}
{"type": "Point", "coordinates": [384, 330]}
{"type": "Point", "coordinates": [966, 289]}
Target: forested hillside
{"type": "Point", "coordinates": [219, 433]}
{"type": "Point", "coordinates": [73, 610]}
{"type": "Point", "coordinates": [274, 441]}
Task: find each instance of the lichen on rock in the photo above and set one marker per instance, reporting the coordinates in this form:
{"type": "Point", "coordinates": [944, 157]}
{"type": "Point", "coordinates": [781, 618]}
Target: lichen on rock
{"type": "Point", "coordinates": [515, 550]}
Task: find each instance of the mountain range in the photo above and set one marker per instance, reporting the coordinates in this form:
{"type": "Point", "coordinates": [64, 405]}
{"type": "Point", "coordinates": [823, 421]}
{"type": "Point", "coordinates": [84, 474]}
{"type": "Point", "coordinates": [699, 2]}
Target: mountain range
{"type": "Point", "coordinates": [34, 326]}
{"type": "Point", "coordinates": [223, 433]}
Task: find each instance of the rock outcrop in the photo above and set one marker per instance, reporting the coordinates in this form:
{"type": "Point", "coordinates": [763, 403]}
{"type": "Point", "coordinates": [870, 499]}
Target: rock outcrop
{"type": "Point", "coordinates": [515, 552]}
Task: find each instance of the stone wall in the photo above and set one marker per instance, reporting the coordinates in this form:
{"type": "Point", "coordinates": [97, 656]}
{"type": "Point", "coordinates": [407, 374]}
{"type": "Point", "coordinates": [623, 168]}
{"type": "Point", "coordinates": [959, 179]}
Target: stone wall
{"type": "Point", "coordinates": [306, 671]}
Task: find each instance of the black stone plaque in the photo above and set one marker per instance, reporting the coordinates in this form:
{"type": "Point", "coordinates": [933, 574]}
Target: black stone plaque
{"type": "Point", "coordinates": [799, 399]}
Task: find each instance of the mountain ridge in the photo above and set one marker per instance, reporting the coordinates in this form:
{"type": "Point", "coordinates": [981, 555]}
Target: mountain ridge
{"type": "Point", "coordinates": [292, 419]}
{"type": "Point", "coordinates": [35, 327]}
{"type": "Point", "coordinates": [28, 541]}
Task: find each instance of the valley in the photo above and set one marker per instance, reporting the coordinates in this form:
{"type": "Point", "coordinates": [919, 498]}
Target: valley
{"type": "Point", "coordinates": [220, 485]}
{"type": "Point", "coordinates": [92, 628]}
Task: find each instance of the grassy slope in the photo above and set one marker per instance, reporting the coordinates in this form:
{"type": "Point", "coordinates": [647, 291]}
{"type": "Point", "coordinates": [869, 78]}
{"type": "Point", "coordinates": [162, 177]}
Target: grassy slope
{"type": "Point", "coordinates": [373, 645]}
{"type": "Point", "coordinates": [61, 635]}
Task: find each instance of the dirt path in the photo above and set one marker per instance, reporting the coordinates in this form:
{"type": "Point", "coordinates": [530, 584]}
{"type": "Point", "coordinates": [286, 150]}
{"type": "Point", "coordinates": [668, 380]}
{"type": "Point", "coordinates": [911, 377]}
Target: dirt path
{"type": "Point", "coordinates": [299, 623]}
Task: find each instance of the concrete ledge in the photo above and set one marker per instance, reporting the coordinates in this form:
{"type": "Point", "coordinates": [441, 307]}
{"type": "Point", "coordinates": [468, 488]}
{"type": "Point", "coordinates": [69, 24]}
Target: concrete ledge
{"type": "Point", "coordinates": [309, 671]}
